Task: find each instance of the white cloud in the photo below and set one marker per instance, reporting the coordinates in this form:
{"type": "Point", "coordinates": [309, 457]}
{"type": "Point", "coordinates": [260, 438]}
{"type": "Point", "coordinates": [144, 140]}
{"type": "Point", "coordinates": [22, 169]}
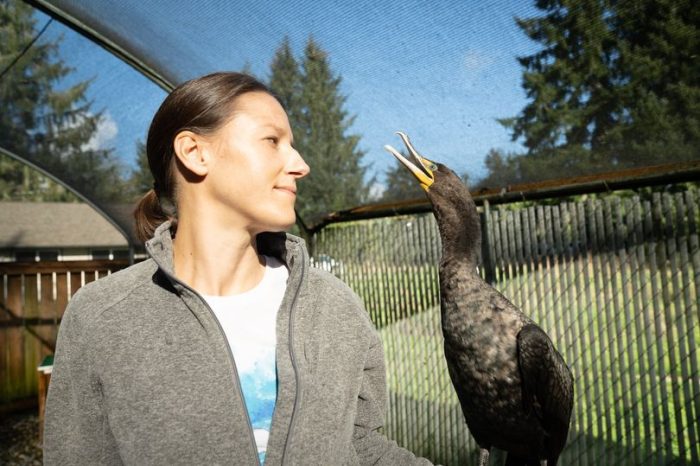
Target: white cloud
{"type": "Point", "coordinates": [376, 191]}
{"type": "Point", "coordinates": [104, 134]}
{"type": "Point", "coordinates": [475, 60]}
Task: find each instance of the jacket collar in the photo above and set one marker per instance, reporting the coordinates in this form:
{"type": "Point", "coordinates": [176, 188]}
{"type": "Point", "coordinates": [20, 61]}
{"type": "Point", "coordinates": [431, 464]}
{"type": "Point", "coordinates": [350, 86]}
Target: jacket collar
{"type": "Point", "coordinates": [291, 249]}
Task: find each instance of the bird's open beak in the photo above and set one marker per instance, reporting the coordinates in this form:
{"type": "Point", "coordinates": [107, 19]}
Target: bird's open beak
{"type": "Point", "coordinates": [422, 168]}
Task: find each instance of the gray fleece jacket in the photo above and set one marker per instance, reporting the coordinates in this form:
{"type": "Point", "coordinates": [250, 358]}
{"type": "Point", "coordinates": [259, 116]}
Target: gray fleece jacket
{"type": "Point", "coordinates": [143, 374]}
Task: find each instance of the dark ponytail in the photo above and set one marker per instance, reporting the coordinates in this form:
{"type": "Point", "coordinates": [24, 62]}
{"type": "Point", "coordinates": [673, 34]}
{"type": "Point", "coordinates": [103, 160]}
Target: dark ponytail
{"type": "Point", "coordinates": [202, 106]}
{"type": "Point", "coordinates": [148, 215]}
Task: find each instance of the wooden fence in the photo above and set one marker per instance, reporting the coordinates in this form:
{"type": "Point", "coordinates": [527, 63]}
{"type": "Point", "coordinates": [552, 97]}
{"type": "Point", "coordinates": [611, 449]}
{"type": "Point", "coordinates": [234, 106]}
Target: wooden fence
{"type": "Point", "coordinates": [613, 279]}
{"type": "Point", "coordinates": [32, 302]}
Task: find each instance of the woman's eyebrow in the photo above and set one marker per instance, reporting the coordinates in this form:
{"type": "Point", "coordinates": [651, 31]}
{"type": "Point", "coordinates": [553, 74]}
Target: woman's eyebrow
{"type": "Point", "coordinates": [278, 129]}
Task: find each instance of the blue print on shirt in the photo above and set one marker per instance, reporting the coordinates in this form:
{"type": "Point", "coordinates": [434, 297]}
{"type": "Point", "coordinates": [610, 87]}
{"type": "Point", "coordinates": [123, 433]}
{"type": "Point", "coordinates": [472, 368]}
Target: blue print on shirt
{"type": "Point", "coordinates": [259, 385]}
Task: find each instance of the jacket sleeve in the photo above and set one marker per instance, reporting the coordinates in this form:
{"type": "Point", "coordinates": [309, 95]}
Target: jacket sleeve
{"type": "Point", "coordinates": [371, 446]}
{"type": "Point", "coordinates": [74, 419]}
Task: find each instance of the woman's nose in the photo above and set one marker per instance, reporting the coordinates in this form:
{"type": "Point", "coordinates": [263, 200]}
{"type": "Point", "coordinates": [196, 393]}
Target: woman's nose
{"type": "Point", "coordinates": [297, 165]}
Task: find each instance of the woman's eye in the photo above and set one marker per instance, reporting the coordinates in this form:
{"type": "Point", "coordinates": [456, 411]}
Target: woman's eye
{"type": "Point", "coordinates": [273, 139]}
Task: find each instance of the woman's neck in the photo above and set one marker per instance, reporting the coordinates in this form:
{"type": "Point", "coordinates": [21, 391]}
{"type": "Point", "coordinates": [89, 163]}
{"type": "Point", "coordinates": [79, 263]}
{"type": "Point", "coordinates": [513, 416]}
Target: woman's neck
{"type": "Point", "coordinates": [216, 260]}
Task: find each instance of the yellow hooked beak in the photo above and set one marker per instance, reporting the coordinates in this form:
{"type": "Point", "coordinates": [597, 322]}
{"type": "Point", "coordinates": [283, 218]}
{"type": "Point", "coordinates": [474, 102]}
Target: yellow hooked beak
{"type": "Point", "coordinates": [423, 168]}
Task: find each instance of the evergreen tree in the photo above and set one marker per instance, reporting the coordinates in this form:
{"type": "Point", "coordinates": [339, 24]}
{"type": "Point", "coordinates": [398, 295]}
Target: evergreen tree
{"type": "Point", "coordinates": [52, 128]}
{"type": "Point", "coordinates": [658, 47]}
{"type": "Point", "coordinates": [141, 179]}
{"type": "Point", "coordinates": [320, 124]}
{"type": "Point", "coordinates": [502, 169]}
{"type": "Point", "coordinates": [614, 86]}
{"type": "Point", "coordinates": [285, 82]}
{"type": "Point", "coordinates": [569, 81]}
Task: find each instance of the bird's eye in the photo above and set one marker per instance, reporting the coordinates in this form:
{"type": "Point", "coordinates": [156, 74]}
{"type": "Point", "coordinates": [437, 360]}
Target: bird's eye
{"type": "Point", "coordinates": [432, 167]}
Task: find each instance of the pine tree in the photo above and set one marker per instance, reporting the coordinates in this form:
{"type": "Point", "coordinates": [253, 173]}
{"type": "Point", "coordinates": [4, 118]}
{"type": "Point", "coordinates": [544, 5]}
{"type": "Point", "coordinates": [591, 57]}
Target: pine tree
{"type": "Point", "coordinates": [320, 124]}
{"type": "Point", "coordinates": [569, 82]}
{"type": "Point", "coordinates": [141, 179]}
{"type": "Point", "coordinates": [285, 82]}
{"type": "Point", "coordinates": [659, 43]}
{"type": "Point", "coordinates": [615, 85]}
{"type": "Point", "coordinates": [337, 177]}
{"type": "Point", "coordinates": [52, 128]}
{"type": "Point", "coordinates": [502, 169]}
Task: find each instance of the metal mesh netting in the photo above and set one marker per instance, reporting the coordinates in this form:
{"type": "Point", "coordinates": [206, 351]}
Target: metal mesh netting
{"type": "Point", "coordinates": [614, 281]}
{"type": "Point", "coordinates": [503, 92]}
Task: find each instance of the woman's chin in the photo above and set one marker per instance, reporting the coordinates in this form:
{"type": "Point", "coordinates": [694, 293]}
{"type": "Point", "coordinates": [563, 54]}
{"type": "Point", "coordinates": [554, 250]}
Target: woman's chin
{"type": "Point", "coordinates": [281, 223]}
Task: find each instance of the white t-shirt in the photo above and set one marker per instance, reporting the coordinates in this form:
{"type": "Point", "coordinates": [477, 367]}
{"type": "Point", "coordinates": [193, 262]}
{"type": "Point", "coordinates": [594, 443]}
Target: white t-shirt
{"type": "Point", "coordinates": [249, 321]}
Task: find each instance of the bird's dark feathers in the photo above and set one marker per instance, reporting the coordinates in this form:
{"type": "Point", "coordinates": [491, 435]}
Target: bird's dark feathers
{"type": "Point", "coordinates": [515, 390]}
{"type": "Point", "coordinates": [547, 383]}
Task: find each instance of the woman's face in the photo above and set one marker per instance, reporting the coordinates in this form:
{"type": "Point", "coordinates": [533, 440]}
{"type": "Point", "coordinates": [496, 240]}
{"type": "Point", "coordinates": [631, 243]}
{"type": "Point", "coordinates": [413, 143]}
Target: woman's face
{"type": "Point", "coordinates": [255, 168]}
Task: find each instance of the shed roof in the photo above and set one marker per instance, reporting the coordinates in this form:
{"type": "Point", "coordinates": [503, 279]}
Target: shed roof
{"type": "Point", "coordinates": [55, 224]}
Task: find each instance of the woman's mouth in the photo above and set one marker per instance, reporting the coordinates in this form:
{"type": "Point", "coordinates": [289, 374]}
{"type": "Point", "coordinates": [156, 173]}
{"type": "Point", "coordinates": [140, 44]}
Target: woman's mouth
{"type": "Point", "coordinates": [291, 190]}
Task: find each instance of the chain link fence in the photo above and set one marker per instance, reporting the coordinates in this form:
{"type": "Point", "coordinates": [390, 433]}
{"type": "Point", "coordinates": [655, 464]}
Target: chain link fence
{"type": "Point", "coordinates": [613, 279]}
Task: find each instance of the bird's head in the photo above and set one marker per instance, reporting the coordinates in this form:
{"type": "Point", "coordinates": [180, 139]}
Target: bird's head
{"type": "Point", "coordinates": [453, 206]}
{"type": "Point", "coordinates": [439, 182]}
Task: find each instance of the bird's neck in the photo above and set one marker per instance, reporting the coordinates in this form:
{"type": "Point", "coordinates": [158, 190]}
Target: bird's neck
{"type": "Point", "coordinates": [460, 230]}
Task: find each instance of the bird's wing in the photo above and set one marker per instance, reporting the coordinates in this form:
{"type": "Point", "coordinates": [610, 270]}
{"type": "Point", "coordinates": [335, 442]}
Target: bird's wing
{"type": "Point", "coordinates": [546, 380]}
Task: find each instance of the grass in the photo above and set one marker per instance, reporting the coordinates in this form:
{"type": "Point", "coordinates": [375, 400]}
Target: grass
{"type": "Point", "coordinates": [634, 365]}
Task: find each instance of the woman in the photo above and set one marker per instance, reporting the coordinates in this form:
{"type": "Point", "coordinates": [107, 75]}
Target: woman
{"type": "Point", "coordinates": [144, 370]}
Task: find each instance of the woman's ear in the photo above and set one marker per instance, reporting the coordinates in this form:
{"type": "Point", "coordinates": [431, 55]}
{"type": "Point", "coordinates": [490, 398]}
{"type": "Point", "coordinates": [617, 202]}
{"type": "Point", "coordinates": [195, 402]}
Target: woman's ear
{"type": "Point", "coordinates": [190, 149]}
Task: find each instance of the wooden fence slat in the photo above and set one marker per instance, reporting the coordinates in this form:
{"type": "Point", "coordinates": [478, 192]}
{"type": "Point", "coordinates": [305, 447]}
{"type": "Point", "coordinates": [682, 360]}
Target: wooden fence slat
{"type": "Point", "coordinates": [671, 296]}
{"type": "Point", "coordinates": [519, 265]}
{"type": "Point", "coordinates": [637, 303]}
{"type": "Point", "coordinates": [657, 257]}
{"type": "Point", "coordinates": [487, 262]}
{"type": "Point", "coordinates": [14, 339]}
{"type": "Point", "coordinates": [594, 336]}
{"type": "Point", "coordinates": [577, 356]}
{"type": "Point", "coordinates": [540, 269]}
{"type": "Point", "coordinates": [529, 246]}
{"type": "Point", "coordinates": [684, 324]}
{"type": "Point", "coordinates": [645, 252]}
{"type": "Point", "coordinates": [691, 256]}
{"type": "Point", "coordinates": [509, 247]}
{"type": "Point", "coordinates": [615, 335]}
{"type": "Point", "coordinates": [558, 311]}
{"type": "Point", "coordinates": [630, 373]}
{"type": "Point", "coordinates": [498, 249]}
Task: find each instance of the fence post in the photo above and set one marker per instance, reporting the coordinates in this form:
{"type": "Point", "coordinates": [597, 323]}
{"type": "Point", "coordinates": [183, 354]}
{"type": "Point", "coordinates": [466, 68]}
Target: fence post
{"type": "Point", "coordinates": [486, 256]}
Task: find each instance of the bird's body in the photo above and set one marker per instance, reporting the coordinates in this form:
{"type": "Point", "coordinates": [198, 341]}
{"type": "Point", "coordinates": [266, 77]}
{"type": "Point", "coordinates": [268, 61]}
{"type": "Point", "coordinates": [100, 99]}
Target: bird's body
{"type": "Point", "coordinates": [483, 363]}
{"type": "Point", "coordinates": [484, 342]}
{"type": "Point", "coordinates": [515, 389]}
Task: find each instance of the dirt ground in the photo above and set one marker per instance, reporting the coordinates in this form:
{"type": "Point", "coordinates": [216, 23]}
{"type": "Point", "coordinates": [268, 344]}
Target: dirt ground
{"type": "Point", "coordinates": [19, 439]}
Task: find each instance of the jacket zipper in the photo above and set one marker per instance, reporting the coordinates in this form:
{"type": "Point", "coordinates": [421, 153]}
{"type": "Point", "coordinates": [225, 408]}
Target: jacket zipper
{"type": "Point", "coordinates": [297, 392]}
{"type": "Point", "coordinates": [233, 364]}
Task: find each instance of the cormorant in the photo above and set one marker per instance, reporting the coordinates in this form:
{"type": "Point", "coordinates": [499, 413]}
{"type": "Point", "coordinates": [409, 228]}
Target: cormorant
{"type": "Point", "coordinates": [515, 389]}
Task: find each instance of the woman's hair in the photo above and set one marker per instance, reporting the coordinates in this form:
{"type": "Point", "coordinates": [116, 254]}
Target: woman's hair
{"type": "Point", "coordinates": [202, 106]}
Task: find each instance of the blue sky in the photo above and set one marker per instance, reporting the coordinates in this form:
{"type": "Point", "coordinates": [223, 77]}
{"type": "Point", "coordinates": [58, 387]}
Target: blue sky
{"type": "Point", "coordinates": [440, 71]}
